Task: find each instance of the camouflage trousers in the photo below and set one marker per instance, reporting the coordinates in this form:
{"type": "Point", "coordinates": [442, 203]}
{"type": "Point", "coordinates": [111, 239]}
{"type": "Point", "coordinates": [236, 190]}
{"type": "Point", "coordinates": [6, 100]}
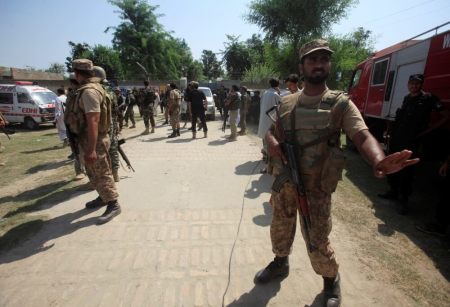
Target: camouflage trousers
{"type": "Point", "coordinates": [129, 114]}
{"type": "Point", "coordinates": [100, 172]}
{"type": "Point", "coordinates": [148, 116]}
{"type": "Point", "coordinates": [282, 229]}
{"type": "Point", "coordinates": [174, 116]}
{"type": "Point", "coordinates": [243, 120]}
{"type": "Point", "coordinates": [114, 148]}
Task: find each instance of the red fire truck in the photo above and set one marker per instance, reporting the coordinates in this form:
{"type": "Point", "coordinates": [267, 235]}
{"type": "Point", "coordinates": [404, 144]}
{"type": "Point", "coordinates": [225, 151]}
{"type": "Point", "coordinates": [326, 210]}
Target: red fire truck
{"type": "Point", "coordinates": [380, 82]}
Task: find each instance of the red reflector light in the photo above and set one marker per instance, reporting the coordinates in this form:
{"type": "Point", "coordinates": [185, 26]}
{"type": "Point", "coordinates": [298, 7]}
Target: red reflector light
{"type": "Point", "coordinates": [24, 83]}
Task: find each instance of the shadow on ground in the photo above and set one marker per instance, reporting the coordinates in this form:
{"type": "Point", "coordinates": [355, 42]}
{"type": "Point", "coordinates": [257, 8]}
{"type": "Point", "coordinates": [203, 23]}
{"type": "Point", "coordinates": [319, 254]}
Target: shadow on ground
{"type": "Point", "coordinates": [48, 166]}
{"type": "Point", "coordinates": [422, 207]}
{"type": "Point", "coordinates": [265, 219]}
{"type": "Point", "coordinates": [44, 197]}
{"type": "Point", "coordinates": [42, 150]}
{"type": "Point", "coordinates": [51, 229]}
{"type": "Point", "coordinates": [259, 295]}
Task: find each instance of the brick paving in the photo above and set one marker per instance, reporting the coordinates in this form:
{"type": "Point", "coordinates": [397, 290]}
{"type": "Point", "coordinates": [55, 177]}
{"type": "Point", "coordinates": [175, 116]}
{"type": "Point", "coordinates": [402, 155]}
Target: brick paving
{"type": "Point", "coordinates": [172, 242]}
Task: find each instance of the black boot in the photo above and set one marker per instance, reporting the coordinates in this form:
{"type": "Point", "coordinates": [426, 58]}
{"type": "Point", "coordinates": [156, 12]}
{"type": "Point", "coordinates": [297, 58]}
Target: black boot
{"type": "Point", "coordinates": [178, 132]}
{"type": "Point", "coordinates": [96, 203]}
{"type": "Point", "coordinates": [174, 134]}
{"type": "Point", "coordinates": [279, 267]}
{"type": "Point", "coordinates": [332, 291]}
{"type": "Point", "coordinates": [112, 210]}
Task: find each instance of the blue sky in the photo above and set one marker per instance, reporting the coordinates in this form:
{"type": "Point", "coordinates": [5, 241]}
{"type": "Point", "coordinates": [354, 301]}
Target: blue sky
{"type": "Point", "coordinates": [35, 32]}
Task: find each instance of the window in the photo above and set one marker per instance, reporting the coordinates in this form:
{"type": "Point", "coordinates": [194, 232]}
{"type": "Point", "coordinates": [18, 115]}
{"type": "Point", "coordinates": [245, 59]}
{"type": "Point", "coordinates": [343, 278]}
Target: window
{"type": "Point", "coordinates": [379, 72]}
{"type": "Point", "coordinates": [355, 79]}
{"type": "Point", "coordinates": [44, 97]}
{"type": "Point", "coordinates": [22, 98]}
{"type": "Point", "coordinates": [6, 98]}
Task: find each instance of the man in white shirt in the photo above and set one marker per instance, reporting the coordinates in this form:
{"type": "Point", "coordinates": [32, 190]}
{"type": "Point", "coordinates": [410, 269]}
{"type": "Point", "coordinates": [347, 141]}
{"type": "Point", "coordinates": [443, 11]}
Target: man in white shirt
{"type": "Point", "coordinates": [59, 115]}
{"type": "Point", "coordinates": [270, 98]}
{"type": "Point", "coordinates": [292, 84]}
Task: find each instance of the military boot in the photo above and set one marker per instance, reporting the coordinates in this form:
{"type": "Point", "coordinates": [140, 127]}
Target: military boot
{"type": "Point", "coordinates": [146, 131]}
{"type": "Point", "coordinates": [112, 210]}
{"type": "Point", "coordinates": [153, 130]}
{"type": "Point", "coordinates": [194, 136]}
{"type": "Point", "coordinates": [332, 291]}
{"type": "Point", "coordinates": [116, 175]}
{"type": "Point", "coordinates": [205, 134]}
{"type": "Point", "coordinates": [174, 134]}
{"type": "Point", "coordinates": [279, 267]}
{"type": "Point", "coordinates": [178, 132]}
{"type": "Point", "coordinates": [132, 126]}
{"type": "Point", "coordinates": [96, 203]}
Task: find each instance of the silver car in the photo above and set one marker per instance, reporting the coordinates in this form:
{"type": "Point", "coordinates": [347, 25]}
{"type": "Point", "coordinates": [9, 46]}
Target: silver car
{"type": "Point", "coordinates": [210, 109]}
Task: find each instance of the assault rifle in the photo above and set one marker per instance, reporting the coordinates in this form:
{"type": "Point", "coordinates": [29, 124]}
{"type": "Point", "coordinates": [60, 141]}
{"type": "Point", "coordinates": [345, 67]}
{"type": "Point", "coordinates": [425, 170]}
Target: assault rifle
{"type": "Point", "coordinates": [72, 141]}
{"type": "Point", "coordinates": [123, 155]}
{"type": "Point", "coordinates": [291, 173]}
{"type": "Point", "coordinates": [225, 118]}
{"type": "Point", "coordinates": [7, 132]}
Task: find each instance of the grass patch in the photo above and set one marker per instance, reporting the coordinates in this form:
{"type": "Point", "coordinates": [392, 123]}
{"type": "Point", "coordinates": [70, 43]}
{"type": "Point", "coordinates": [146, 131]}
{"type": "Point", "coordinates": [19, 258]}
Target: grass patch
{"type": "Point", "coordinates": [37, 174]}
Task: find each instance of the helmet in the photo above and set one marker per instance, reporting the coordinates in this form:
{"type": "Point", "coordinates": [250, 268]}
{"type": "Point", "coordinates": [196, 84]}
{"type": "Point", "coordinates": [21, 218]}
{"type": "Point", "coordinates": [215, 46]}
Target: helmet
{"type": "Point", "coordinates": [99, 72]}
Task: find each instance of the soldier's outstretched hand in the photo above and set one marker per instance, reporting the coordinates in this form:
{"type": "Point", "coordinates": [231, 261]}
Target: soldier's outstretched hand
{"type": "Point", "coordinates": [394, 163]}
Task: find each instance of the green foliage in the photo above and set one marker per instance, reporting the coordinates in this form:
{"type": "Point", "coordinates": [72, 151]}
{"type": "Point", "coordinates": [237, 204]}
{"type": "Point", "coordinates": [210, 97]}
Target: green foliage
{"type": "Point", "coordinates": [195, 71]}
{"type": "Point", "coordinates": [139, 38]}
{"type": "Point", "coordinates": [236, 57]}
{"type": "Point", "coordinates": [293, 20]}
{"type": "Point", "coordinates": [259, 73]}
{"type": "Point", "coordinates": [100, 55]}
{"type": "Point", "coordinates": [107, 58]}
{"type": "Point", "coordinates": [211, 66]}
{"type": "Point", "coordinates": [76, 49]}
{"type": "Point", "coordinates": [56, 68]}
{"type": "Point", "coordinates": [349, 50]}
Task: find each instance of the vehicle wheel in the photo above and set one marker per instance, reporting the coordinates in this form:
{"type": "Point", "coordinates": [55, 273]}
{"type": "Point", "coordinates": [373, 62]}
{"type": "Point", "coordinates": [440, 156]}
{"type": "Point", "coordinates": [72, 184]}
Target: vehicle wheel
{"type": "Point", "coordinates": [30, 124]}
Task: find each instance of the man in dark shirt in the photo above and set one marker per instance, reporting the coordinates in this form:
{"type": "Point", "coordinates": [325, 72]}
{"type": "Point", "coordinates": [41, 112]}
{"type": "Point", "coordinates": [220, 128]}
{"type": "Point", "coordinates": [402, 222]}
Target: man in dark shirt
{"type": "Point", "coordinates": [411, 123]}
{"type": "Point", "coordinates": [197, 99]}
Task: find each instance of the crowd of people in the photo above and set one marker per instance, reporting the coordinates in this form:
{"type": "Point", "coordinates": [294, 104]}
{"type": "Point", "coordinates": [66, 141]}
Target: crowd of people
{"type": "Point", "coordinates": [309, 117]}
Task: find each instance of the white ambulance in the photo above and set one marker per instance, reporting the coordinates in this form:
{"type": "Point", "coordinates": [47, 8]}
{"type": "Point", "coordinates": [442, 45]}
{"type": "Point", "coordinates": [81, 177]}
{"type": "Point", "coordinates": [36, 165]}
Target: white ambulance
{"type": "Point", "coordinates": [28, 104]}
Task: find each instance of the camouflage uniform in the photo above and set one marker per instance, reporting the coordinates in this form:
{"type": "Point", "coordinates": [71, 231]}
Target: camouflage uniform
{"type": "Point", "coordinates": [245, 103]}
{"type": "Point", "coordinates": [130, 100]}
{"type": "Point", "coordinates": [114, 132]}
{"type": "Point", "coordinates": [174, 108]}
{"type": "Point", "coordinates": [321, 167]}
{"type": "Point", "coordinates": [78, 161]}
{"type": "Point", "coordinates": [147, 104]}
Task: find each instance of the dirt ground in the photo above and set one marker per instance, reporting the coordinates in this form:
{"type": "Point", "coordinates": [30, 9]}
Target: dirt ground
{"type": "Point", "coordinates": [408, 268]}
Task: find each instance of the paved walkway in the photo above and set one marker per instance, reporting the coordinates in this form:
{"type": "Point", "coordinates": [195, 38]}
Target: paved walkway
{"type": "Point", "coordinates": [171, 244]}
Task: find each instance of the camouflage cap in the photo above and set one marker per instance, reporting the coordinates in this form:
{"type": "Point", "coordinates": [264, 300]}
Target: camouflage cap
{"type": "Point", "coordinates": [314, 45]}
{"type": "Point", "coordinates": [82, 64]}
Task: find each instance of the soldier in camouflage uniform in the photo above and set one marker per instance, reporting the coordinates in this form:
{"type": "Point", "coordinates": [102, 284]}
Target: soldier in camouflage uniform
{"type": "Point", "coordinates": [245, 104]}
{"type": "Point", "coordinates": [130, 101]}
{"type": "Point", "coordinates": [100, 73]}
{"type": "Point", "coordinates": [147, 101]}
{"type": "Point", "coordinates": [174, 110]}
{"type": "Point", "coordinates": [90, 119]}
{"type": "Point", "coordinates": [80, 171]}
{"type": "Point", "coordinates": [313, 120]}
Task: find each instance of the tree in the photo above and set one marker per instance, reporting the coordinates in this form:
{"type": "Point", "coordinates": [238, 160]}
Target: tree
{"type": "Point", "coordinates": [349, 50]}
{"type": "Point", "coordinates": [76, 50]}
{"type": "Point", "coordinates": [139, 38]}
{"type": "Point", "coordinates": [293, 20]}
{"type": "Point", "coordinates": [56, 68]}
{"type": "Point", "coordinates": [195, 71]}
{"type": "Point", "coordinates": [211, 66]}
{"type": "Point", "coordinates": [259, 73]}
{"type": "Point", "coordinates": [236, 57]}
{"type": "Point", "coordinates": [255, 45]}
{"type": "Point", "coordinates": [108, 59]}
